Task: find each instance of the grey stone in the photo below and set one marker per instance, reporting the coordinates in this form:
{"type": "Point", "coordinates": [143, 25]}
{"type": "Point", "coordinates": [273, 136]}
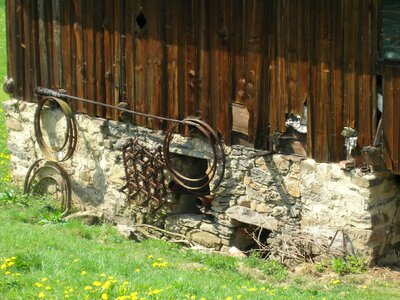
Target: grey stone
{"type": "Point", "coordinates": [13, 124]}
{"type": "Point", "coordinates": [246, 215]}
{"type": "Point", "coordinates": [87, 217]}
{"type": "Point", "coordinates": [216, 229]}
{"type": "Point", "coordinates": [206, 239]}
{"type": "Point", "coordinates": [281, 163]}
{"type": "Point", "coordinates": [188, 220]}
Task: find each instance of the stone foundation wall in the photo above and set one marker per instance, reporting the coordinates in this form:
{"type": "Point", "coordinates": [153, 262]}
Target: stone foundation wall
{"type": "Point", "coordinates": [287, 196]}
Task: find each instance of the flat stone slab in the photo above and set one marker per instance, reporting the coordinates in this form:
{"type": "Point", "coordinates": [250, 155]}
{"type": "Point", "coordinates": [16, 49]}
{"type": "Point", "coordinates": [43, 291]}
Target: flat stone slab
{"type": "Point", "coordinates": [248, 216]}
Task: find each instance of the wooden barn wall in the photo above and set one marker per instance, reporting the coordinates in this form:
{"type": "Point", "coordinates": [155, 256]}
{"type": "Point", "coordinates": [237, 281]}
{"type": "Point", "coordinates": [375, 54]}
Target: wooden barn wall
{"type": "Point", "coordinates": [203, 58]}
{"type": "Point", "coordinates": [391, 113]}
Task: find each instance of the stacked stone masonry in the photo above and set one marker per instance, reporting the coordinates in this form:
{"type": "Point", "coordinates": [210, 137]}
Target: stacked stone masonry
{"type": "Point", "coordinates": [286, 196]}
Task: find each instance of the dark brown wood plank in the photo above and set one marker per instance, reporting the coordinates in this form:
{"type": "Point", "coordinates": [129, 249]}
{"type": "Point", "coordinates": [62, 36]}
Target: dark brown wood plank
{"type": "Point", "coordinates": [221, 74]}
{"type": "Point", "coordinates": [173, 23]}
{"type": "Point", "coordinates": [80, 54]}
{"type": "Point", "coordinates": [323, 96]}
{"type": "Point", "coordinates": [117, 80]}
{"type": "Point", "coordinates": [273, 115]}
{"type": "Point", "coordinates": [335, 137]}
{"type": "Point", "coordinates": [312, 80]}
{"type": "Point", "coordinates": [303, 46]}
{"type": "Point", "coordinates": [351, 32]}
{"type": "Point", "coordinates": [141, 47]}
{"type": "Point", "coordinates": [281, 66]}
{"type": "Point", "coordinates": [44, 51]}
{"type": "Point", "coordinates": [30, 62]}
{"type": "Point", "coordinates": [66, 46]}
{"type": "Point", "coordinates": [238, 50]}
{"type": "Point", "coordinates": [57, 66]}
{"type": "Point", "coordinates": [388, 117]}
{"type": "Point", "coordinates": [375, 41]}
{"type": "Point", "coordinates": [190, 53]}
{"type": "Point", "coordinates": [108, 51]}
{"type": "Point", "coordinates": [204, 98]}
{"type": "Point", "coordinates": [156, 61]}
{"type": "Point", "coordinates": [99, 71]}
{"type": "Point", "coordinates": [396, 123]}
{"type": "Point", "coordinates": [90, 53]}
{"type": "Point", "coordinates": [365, 114]}
{"type": "Point", "coordinates": [130, 27]}
{"type": "Point", "coordinates": [253, 62]}
{"type": "Point", "coordinates": [291, 52]}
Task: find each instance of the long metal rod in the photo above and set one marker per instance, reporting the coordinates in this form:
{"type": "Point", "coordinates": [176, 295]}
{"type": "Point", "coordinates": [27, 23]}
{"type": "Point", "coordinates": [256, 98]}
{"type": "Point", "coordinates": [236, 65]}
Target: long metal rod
{"type": "Point", "coordinates": [62, 95]}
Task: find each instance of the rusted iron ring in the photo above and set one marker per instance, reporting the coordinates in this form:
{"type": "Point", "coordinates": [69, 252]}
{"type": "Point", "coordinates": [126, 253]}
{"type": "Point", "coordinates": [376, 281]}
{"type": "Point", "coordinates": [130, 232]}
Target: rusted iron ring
{"type": "Point", "coordinates": [42, 170]}
{"type": "Point", "coordinates": [69, 144]}
{"type": "Point", "coordinates": [196, 185]}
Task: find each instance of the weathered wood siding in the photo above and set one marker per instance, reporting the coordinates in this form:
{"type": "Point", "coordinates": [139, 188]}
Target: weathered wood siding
{"type": "Point", "coordinates": [200, 57]}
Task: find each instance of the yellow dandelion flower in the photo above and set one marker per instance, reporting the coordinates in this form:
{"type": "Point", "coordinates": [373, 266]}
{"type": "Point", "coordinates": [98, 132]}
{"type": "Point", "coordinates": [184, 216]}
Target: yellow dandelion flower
{"type": "Point", "coordinates": [41, 295]}
{"type": "Point", "coordinates": [106, 285]}
{"type": "Point", "coordinates": [253, 289]}
{"type": "Point", "coordinates": [103, 275]}
{"type": "Point", "coordinates": [48, 288]}
{"type": "Point", "coordinates": [7, 272]}
{"type": "Point", "coordinates": [104, 296]}
{"type": "Point", "coordinates": [3, 266]}
{"type": "Point", "coordinates": [150, 256]}
{"type": "Point", "coordinates": [202, 298]}
{"type": "Point", "coordinates": [239, 296]}
{"type": "Point", "coordinates": [364, 286]}
{"type": "Point", "coordinates": [335, 282]}
{"type": "Point", "coordinates": [83, 273]}
{"type": "Point", "coordinates": [193, 297]}
{"type": "Point", "coordinates": [10, 264]}
{"type": "Point", "coordinates": [38, 284]}
{"type": "Point", "coordinates": [87, 288]}
{"type": "Point", "coordinates": [229, 298]}
{"type": "Point", "coordinates": [13, 258]}
{"type": "Point", "coordinates": [137, 270]}
{"type": "Point", "coordinates": [125, 283]}
{"type": "Point", "coordinates": [155, 292]}
{"type": "Point", "coordinates": [44, 279]}
{"type": "Point", "coordinates": [97, 283]}
{"type": "Point", "coordinates": [70, 290]}
{"type": "Point", "coordinates": [110, 277]}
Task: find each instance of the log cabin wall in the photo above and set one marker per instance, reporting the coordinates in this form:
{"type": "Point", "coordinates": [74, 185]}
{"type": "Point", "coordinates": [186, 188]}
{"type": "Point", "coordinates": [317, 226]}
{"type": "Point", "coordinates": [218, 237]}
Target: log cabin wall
{"type": "Point", "coordinates": [225, 61]}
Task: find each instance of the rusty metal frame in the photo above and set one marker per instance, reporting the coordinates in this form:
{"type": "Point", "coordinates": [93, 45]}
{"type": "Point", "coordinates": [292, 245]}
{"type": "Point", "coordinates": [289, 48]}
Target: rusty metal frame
{"type": "Point", "coordinates": [145, 175]}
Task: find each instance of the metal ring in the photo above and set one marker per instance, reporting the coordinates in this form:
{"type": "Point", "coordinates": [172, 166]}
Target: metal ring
{"type": "Point", "coordinates": [196, 185]}
{"type": "Point", "coordinates": [42, 170]}
{"type": "Point", "coordinates": [70, 135]}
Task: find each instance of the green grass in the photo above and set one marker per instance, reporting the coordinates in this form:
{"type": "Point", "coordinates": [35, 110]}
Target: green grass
{"type": "Point", "coordinates": [4, 155]}
{"type": "Point", "coordinates": [77, 261]}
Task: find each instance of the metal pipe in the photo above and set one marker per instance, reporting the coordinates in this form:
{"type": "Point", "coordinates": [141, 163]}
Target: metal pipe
{"type": "Point", "coordinates": [63, 95]}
